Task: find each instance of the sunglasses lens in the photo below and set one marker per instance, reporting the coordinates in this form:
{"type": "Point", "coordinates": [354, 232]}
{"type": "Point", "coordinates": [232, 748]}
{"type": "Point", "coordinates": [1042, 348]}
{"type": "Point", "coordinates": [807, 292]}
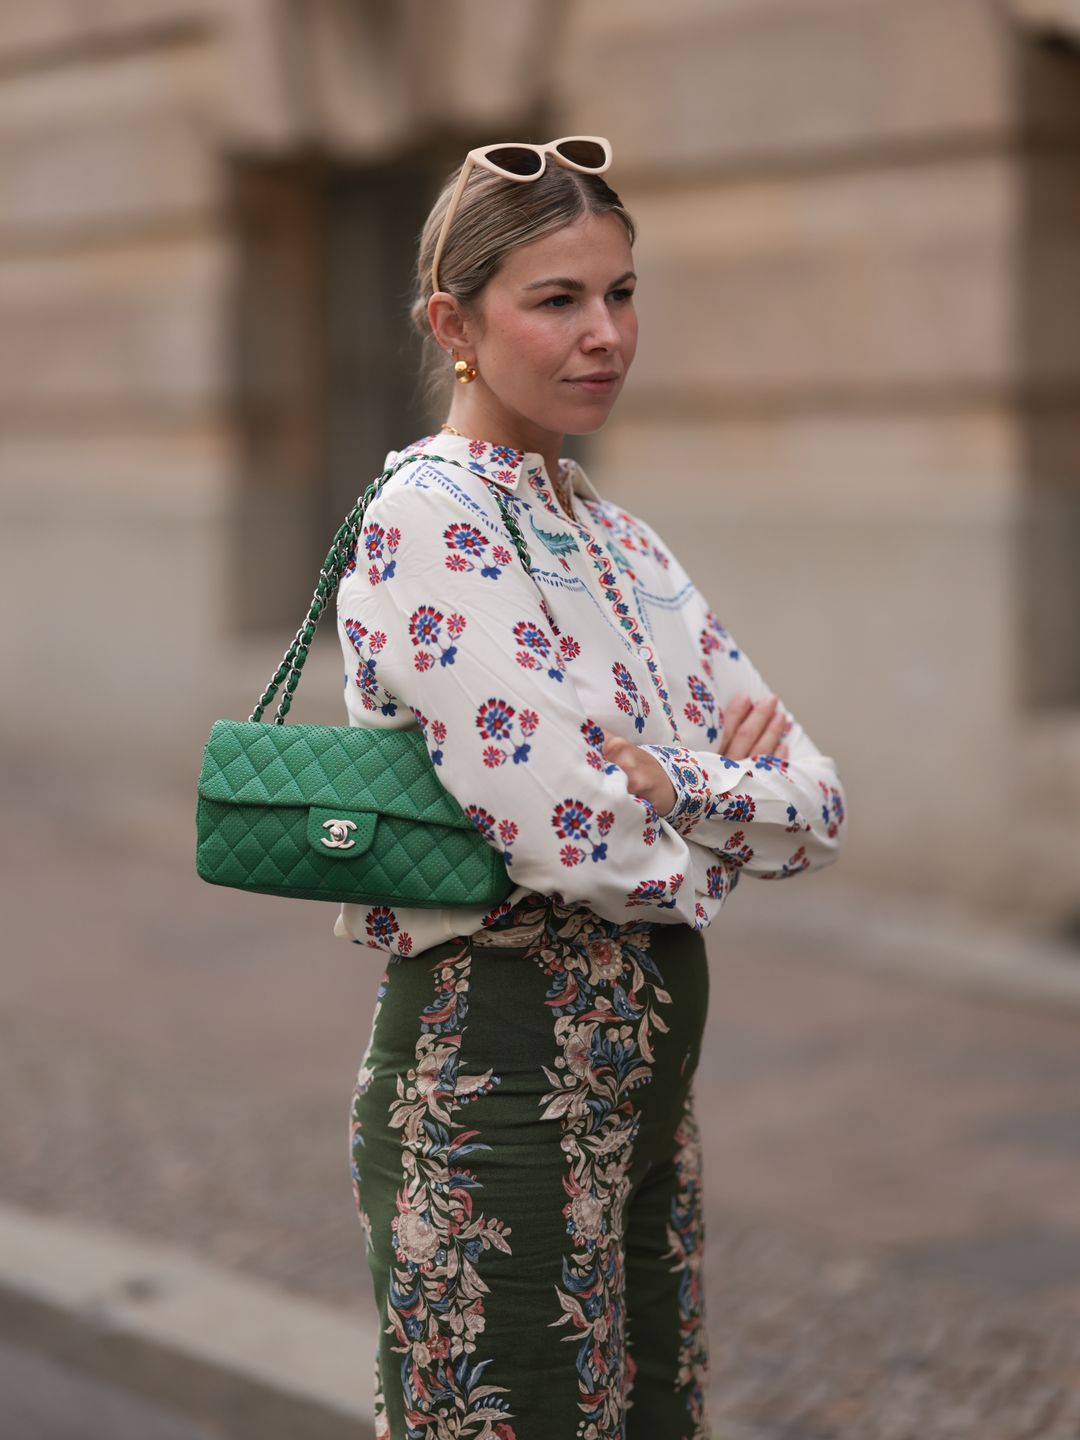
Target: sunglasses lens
{"type": "Point", "coordinates": [588, 153]}
{"type": "Point", "coordinates": [516, 159]}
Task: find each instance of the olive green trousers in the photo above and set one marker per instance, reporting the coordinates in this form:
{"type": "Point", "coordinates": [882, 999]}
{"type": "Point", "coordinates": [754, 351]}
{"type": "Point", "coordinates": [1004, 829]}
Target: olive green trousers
{"type": "Point", "coordinates": [527, 1170]}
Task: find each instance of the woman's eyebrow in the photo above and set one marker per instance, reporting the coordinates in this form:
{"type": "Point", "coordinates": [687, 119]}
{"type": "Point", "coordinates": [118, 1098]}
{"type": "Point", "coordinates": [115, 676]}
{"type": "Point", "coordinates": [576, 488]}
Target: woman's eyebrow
{"type": "Point", "coordinates": [568, 284]}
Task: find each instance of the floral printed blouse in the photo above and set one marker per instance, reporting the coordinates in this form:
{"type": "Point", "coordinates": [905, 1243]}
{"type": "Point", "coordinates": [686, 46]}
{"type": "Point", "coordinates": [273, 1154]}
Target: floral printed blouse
{"type": "Point", "coordinates": [512, 679]}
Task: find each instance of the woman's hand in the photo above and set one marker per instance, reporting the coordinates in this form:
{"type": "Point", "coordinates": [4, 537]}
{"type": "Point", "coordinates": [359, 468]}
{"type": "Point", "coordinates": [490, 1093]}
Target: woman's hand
{"type": "Point", "coordinates": [751, 729]}
{"type": "Point", "coordinates": [645, 776]}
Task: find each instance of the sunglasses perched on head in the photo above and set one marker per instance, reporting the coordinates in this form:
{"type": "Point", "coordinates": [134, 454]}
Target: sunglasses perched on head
{"type": "Point", "coordinates": [590, 154]}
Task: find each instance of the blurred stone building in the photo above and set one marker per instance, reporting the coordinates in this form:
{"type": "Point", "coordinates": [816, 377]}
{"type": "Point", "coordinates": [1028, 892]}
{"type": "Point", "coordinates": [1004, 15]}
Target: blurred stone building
{"type": "Point", "coordinates": [859, 261]}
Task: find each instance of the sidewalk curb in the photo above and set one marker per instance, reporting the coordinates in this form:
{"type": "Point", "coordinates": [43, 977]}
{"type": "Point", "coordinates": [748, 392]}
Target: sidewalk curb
{"type": "Point", "coordinates": [241, 1355]}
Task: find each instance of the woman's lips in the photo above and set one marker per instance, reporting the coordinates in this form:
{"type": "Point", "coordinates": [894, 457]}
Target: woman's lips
{"type": "Point", "coordinates": [594, 387]}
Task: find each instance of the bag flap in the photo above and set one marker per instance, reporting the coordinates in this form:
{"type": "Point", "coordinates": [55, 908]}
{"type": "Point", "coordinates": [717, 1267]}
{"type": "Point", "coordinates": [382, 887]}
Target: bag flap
{"type": "Point", "coordinates": [351, 769]}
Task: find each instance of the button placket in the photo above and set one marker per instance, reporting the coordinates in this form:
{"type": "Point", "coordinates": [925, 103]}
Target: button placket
{"type": "Point", "coordinates": [629, 624]}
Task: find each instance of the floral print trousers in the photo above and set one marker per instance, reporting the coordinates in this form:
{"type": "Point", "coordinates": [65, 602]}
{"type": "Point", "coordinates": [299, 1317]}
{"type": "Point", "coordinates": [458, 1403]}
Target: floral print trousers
{"type": "Point", "coordinates": [527, 1171]}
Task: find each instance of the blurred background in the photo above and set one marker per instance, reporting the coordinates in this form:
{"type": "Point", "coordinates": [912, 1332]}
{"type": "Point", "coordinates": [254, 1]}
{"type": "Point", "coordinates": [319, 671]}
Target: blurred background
{"type": "Point", "coordinates": [858, 371]}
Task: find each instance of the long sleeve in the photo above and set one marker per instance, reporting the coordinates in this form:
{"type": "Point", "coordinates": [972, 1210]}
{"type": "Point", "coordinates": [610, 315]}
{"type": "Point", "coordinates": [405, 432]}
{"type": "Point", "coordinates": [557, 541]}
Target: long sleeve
{"type": "Point", "coordinates": [439, 616]}
{"type": "Point", "coordinates": [769, 816]}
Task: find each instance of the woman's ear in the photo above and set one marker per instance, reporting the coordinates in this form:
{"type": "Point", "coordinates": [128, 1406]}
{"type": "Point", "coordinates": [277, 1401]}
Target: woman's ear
{"type": "Point", "coordinates": [447, 322]}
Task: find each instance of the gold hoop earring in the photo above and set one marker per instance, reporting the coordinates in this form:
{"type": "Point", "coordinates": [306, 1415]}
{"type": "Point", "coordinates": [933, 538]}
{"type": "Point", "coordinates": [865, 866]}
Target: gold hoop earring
{"type": "Point", "coordinates": [463, 370]}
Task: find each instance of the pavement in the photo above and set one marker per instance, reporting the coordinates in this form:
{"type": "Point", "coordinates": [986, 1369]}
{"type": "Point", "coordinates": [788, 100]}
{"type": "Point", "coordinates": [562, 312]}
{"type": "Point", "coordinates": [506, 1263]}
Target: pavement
{"type": "Point", "coordinates": [43, 1396]}
{"type": "Point", "coordinates": [106, 1334]}
{"type": "Point", "coordinates": [890, 1093]}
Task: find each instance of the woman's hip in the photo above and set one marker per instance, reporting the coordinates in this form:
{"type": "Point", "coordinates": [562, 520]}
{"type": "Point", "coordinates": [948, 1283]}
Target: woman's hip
{"type": "Point", "coordinates": [557, 1024]}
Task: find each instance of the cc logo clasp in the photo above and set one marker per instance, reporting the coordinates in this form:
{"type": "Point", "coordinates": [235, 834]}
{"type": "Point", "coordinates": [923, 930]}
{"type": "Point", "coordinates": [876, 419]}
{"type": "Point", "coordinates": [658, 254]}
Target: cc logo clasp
{"type": "Point", "coordinates": [338, 837]}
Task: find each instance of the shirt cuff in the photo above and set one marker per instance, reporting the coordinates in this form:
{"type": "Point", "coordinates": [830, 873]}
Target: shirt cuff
{"type": "Point", "coordinates": [691, 785]}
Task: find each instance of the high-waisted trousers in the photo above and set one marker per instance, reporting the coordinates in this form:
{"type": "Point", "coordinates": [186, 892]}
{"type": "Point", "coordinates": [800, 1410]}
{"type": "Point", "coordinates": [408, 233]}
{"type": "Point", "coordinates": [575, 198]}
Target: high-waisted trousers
{"type": "Point", "coordinates": [526, 1166]}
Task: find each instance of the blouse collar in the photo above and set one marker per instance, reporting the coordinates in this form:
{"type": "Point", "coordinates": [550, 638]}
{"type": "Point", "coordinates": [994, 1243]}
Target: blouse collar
{"type": "Point", "coordinates": [503, 465]}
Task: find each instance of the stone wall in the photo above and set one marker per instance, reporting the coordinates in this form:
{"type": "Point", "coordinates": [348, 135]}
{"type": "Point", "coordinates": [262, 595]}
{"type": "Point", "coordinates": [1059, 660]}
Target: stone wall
{"type": "Point", "coordinates": [842, 341]}
{"type": "Point", "coordinates": [859, 353]}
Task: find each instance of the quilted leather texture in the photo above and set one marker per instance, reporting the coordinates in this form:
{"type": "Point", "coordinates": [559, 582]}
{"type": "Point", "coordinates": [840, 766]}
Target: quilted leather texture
{"type": "Point", "coordinates": [260, 780]}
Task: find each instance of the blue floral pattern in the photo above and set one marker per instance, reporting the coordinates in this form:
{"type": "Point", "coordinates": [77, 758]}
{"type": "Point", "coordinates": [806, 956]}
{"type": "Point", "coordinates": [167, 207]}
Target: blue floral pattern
{"type": "Point", "coordinates": [379, 547]}
{"type": "Point", "coordinates": [627, 696]}
{"type": "Point", "coordinates": [427, 625]}
{"type": "Point", "coordinates": [367, 645]}
{"type": "Point", "coordinates": [539, 651]}
{"type": "Point", "coordinates": [508, 730]}
{"type": "Point", "coordinates": [469, 550]}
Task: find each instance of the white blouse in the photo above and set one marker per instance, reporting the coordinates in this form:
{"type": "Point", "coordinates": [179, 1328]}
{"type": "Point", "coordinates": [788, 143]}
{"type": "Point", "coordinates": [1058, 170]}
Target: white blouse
{"type": "Point", "coordinates": [511, 678]}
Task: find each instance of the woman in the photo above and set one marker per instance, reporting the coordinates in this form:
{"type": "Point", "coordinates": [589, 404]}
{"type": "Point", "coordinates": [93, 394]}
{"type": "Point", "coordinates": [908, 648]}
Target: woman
{"type": "Point", "coordinates": [526, 1159]}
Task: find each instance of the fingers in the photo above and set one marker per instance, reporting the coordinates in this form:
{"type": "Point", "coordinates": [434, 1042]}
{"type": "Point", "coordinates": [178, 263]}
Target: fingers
{"type": "Point", "coordinates": [615, 748]}
{"type": "Point", "coordinates": [751, 729]}
{"type": "Point", "coordinates": [734, 716]}
{"type": "Point", "coordinates": [630, 759]}
{"type": "Point", "coordinates": [770, 736]}
{"type": "Point", "coordinates": [645, 776]}
{"type": "Point", "coordinates": [744, 724]}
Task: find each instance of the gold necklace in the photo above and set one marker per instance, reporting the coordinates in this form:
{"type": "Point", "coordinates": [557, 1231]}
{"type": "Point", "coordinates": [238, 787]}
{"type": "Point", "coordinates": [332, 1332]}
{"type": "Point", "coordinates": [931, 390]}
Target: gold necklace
{"type": "Point", "coordinates": [453, 431]}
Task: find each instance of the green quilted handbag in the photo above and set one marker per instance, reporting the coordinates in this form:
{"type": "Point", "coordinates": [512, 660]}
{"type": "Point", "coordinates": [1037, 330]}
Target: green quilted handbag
{"type": "Point", "coordinates": [338, 812]}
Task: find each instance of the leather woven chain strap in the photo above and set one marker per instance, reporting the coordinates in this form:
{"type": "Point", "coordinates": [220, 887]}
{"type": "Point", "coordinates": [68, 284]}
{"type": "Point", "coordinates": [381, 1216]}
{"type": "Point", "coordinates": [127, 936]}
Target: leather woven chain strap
{"type": "Point", "coordinates": [337, 557]}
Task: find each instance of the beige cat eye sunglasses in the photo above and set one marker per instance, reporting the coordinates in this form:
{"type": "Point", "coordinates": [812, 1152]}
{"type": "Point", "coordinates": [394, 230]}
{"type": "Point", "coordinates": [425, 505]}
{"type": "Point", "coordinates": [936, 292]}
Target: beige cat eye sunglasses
{"type": "Point", "coordinates": [588, 153]}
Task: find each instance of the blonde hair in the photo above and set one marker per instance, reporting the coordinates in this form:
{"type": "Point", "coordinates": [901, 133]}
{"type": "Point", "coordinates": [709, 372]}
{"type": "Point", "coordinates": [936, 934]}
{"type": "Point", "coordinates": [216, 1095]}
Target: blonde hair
{"type": "Point", "coordinates": [494, 215]}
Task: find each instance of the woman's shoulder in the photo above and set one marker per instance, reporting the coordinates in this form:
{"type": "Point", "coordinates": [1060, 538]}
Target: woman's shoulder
{"type": "Point", "coordinates": [414, 447]}
{"type": "Point", "coordinates": [428, 490]}
{"type": "Point", "coordinates": [402, 462]}
{"type": "Point", "coordinates": [422, 465]}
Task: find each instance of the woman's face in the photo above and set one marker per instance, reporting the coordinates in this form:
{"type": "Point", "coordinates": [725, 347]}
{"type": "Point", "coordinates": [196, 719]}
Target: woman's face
{"type": "Point", "coordinates": [541, 334]}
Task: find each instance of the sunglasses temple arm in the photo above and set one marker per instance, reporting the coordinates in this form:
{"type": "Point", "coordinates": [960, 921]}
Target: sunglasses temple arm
{"type": "Point", "coordinates": [450, 210]}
